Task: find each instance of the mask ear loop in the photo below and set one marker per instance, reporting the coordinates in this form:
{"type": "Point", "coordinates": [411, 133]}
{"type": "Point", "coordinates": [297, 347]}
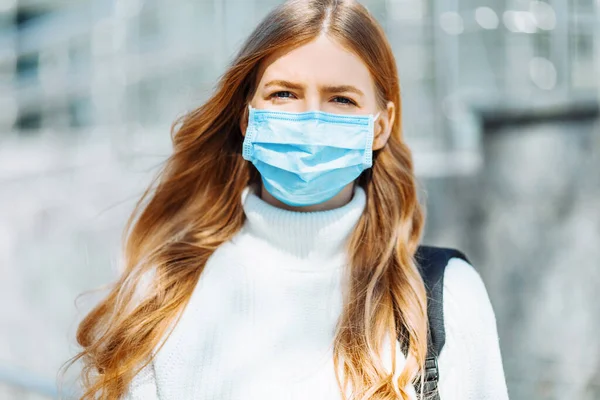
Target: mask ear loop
{"type": "Point", "coordinates": [374, 119]}
{"type": "Point", "coordinates": [249, 109]}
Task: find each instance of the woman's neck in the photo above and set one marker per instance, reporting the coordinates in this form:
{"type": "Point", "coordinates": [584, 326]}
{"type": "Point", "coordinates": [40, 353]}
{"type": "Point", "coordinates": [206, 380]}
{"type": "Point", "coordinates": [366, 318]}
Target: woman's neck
{"type": "Point", "coordinates": [315, 235]}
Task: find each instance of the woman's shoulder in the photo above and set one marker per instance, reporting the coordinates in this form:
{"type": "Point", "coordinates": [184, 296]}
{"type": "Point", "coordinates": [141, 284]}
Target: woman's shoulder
{"type": "Point", "coordinates": [470, 363]}
{"type": "Point", "coordinates": [464, 287]}
{"type": "Point", "coordinates": [468, 313]}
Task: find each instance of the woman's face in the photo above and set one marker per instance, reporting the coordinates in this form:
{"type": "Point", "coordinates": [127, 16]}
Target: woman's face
{"type": "Point", "coordinates": [321, 75]}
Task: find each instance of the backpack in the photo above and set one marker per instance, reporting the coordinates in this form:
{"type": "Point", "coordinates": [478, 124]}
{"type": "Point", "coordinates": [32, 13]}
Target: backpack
{"type": "Point", "coordinates": [432, 262]}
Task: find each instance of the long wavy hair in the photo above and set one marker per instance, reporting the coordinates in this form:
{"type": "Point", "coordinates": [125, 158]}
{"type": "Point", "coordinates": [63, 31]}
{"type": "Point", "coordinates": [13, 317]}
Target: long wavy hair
{"type": "Point", "coordinates": [193, 206]}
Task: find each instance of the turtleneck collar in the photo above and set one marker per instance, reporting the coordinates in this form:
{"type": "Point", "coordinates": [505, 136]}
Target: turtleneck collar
{"type": "Point", "coordinates": [305, 235]}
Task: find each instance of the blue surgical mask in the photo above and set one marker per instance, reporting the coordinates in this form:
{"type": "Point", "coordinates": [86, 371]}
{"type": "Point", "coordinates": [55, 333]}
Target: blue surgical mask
{"type": "Point", "coordinates": [307, 158]}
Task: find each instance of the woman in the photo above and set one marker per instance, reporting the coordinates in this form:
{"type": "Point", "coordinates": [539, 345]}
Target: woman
{"type": "Point", "coordinates": [273, 257]}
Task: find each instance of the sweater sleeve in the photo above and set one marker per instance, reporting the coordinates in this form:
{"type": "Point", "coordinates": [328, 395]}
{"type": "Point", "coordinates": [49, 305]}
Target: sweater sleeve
{"type": "Point", "coordinates": [143, 386]}
{"type": "Point", "coordinates": [470, 364]}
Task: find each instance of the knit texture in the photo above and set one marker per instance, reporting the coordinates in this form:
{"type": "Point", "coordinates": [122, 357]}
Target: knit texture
{"type": "Point", "coordinates": [261, 321]}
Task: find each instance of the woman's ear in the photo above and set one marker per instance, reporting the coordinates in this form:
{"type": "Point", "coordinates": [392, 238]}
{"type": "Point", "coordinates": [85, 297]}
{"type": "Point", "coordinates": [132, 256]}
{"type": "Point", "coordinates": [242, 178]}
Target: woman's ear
{"type": "Point", "coordinates": [244, 121]}
{"type": "Point", "coordinates": [383, 126]}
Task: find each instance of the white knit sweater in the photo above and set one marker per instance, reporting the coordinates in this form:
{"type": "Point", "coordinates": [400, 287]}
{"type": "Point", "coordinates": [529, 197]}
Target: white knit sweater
{"type": "Point", "coordinates": [261, 320]}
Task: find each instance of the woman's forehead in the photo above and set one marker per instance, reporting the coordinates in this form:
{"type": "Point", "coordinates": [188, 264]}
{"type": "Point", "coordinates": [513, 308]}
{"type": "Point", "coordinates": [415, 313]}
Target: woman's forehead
{"type": "Point", "coordinates": [322, 61]}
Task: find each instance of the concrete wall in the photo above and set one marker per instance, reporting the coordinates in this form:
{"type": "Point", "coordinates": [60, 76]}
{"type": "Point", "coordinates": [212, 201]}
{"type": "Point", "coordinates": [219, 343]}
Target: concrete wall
{"type": "Point", "coordinates": [530, 222]}
{"type": "Point", "coordinates": [62, 208]}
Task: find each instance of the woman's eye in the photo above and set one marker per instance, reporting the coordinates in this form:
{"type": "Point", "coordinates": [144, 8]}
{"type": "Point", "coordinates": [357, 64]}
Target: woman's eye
{"type": "Point", "coordinates": [344, 100]}
{"type": "Point", "coordinates": [282, 94]}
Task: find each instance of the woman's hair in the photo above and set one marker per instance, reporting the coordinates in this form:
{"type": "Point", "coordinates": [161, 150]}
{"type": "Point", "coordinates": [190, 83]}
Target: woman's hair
{"type": "Point", "coordinates": [194, 205]}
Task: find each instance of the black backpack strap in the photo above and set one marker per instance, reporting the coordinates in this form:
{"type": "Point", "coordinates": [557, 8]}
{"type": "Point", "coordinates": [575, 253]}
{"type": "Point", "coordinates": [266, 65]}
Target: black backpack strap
{"type": "Point", "coordinates": [432, 263]}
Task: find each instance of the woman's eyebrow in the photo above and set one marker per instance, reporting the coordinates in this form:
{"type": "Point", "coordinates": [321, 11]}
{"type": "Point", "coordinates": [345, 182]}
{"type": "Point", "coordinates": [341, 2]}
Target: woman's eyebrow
{"type": "Point", "coordinates": [327, 89]}
{"type": "Point", "coordinates": [342, 89]}
{"type": "Point", "coordinates": [285, 84]}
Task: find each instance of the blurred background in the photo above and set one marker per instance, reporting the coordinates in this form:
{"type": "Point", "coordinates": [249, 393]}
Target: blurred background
{"type": "Point", "coordinates": [500, 101]}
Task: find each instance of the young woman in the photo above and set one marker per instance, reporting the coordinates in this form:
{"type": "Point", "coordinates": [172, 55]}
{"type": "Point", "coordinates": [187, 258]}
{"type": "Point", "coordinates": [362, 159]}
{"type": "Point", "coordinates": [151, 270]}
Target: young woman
{"type": "Point", "coordinates": [273, 257]}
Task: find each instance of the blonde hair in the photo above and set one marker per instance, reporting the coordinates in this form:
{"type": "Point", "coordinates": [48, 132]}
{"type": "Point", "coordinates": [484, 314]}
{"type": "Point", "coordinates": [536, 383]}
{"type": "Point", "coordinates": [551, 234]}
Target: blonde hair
{"type": "Point", "coordinates": [193, 206]}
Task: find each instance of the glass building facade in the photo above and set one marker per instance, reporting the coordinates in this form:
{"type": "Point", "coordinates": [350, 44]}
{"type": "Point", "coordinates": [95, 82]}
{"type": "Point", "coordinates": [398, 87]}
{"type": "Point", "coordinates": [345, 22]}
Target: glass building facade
{"type": "Point", "coordinates": [135, 64]}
